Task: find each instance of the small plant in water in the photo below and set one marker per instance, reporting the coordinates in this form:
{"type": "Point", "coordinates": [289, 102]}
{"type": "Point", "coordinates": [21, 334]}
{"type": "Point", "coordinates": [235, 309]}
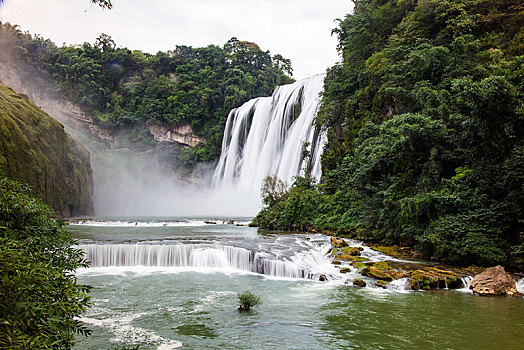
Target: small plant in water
{"type": "Point", "coordinates": [246, 300]}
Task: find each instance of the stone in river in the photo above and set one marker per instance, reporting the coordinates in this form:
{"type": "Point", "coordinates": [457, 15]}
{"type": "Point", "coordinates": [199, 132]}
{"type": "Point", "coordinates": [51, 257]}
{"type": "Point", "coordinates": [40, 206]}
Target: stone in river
{"type": "Point", "coordinates": [494, 281]}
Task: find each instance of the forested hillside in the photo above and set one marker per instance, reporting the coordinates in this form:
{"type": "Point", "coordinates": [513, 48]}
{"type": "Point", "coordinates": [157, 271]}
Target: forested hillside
{"type": "Point", "coordinates": [124, 89]}
{"type": "Point", "coordinates": [425, 123]}
{"type": "Point", "coordinates": [35, 149]}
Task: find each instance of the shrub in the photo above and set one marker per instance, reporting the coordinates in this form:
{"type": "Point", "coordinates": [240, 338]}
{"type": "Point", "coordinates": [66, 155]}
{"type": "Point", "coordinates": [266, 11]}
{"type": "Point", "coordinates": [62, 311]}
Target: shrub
{"type": "Point", "coordinates": [246, 300]}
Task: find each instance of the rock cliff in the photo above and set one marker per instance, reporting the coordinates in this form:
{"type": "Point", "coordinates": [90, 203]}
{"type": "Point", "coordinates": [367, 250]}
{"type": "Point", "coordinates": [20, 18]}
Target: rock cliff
{"type": "Point", "coordinates": [35, 149]}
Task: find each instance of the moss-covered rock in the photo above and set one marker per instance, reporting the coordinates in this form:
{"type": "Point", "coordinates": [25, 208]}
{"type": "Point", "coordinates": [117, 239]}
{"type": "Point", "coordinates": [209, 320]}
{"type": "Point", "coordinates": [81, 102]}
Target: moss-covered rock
{"type": "Point", "coordinates": [359, 282]}
{"type": "Point", "coordinates": [420, 276]}
{"type": "Point", "coordinates": [35, 149]}
{"type": "Point", "coordinates": [338, 242]}
{"type": "Point", "coordinates": [351, 254]}
{"type": "Point", "coordinates": [345, 270]}
{"type": "Point", "coordinates": [381, 284]}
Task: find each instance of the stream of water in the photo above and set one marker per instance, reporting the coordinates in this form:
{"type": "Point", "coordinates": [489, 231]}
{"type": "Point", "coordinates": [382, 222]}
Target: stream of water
{"type": "Point", "coordinates": [165, 283]}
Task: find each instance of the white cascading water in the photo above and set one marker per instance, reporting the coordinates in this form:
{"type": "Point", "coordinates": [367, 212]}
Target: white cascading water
{"type": "Point", "coordinates": [266, 136]}
{"type": "Point", "coordinates": [201, 256]}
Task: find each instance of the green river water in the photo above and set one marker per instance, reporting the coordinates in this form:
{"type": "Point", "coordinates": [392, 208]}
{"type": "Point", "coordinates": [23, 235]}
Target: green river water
{"type": "Point", "coordinates": [191, 304]}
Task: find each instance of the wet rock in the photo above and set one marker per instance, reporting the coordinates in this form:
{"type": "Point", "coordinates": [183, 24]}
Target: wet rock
{"type": "Point", "coordinates": [345, 270]}
{"type": "Point", "coordinates": [210, 222]}
{"type": "Point", "coordinates": [336, 262]}
{"type": "Point", "coordinates": [359, 282]}
{"type": "Point", "coordinates": [434, 278]}
{"type": "Point", "coordinates": [382, 271]}
{"type": "Point", "coordinates": [494, 281]}
{"type": "Point", "coordinates": [381, 284]}
{"type": "Point", "coordinates": [322, 278]}
{"type": "Point", "coordinates": [351, 254]}
{"type": "Point", "coordinates": [231, 222]}
{"type": "Point", "coordinates": [338, 242]}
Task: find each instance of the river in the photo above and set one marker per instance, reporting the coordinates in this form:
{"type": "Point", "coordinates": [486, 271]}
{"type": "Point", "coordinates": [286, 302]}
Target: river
{"type": "Point", "coordinates": [165, 283]}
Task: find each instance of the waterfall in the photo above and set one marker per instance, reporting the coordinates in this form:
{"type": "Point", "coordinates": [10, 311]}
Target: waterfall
{"type": "Point", "coordinates": [520, 285]}
{"type": "Point", "coordinates": [207, 256]}
{"type": "Point", "coordinates": [466, 282]}
{"type": "Point", "coordinates": [267, 135]}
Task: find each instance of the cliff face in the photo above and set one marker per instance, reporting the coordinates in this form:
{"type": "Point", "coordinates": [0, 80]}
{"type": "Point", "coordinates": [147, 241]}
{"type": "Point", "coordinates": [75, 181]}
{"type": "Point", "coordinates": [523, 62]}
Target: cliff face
{"type": "Point", "coordinates": [182, 133]}
{"type": "Point", "coordinates": [35, 149]}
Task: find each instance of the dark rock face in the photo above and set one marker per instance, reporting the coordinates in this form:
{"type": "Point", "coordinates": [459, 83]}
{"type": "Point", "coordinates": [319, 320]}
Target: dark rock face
{"type": "Point", "coordinates": [494, 281]}
{"type": "Point", "coordinates": [35, 149]}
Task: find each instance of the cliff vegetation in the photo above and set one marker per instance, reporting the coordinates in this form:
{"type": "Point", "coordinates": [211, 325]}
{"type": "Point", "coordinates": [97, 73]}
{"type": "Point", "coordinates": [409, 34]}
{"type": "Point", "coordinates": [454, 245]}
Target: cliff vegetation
{"type": "Point", "coordinates": [125, 90]}
{"type": "Point", "coordinates": [425, 122]}
{"type": "Point", "coordinates": [35, 149]}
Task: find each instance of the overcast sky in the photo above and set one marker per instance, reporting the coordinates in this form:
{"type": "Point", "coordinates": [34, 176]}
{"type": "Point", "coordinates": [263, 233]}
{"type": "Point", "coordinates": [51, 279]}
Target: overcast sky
{"type": "Point", "coordinates": [297, 29]}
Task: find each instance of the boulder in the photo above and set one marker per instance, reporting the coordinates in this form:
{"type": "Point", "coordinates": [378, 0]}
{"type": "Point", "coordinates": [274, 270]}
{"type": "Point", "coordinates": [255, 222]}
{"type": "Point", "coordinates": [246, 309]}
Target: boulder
{"type": "Point", "coordinates": [381, 284]}
{"type": "Point", "coordinates": [345, 270]}
{"type": "Point", "coordinates": [359, 283]}
{"type": "Point", "coordinates": [338, 242]}
{"type": "Point", "coordinates": [322, 278]}
{"type": "Point", "coordinates": [494, 281]}
{"type": "Point", "coordinates": [382, 271]}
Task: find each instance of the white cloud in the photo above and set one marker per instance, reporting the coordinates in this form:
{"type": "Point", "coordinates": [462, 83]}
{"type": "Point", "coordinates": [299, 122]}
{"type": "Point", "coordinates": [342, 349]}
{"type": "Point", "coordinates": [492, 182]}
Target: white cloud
{"type": "Point", "coordinates": [297, 29]}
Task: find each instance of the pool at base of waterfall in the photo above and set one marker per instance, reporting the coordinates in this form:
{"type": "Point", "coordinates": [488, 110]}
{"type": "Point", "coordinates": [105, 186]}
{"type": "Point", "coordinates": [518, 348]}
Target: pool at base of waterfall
{"type": "Point", "coordinates": [166, 283]}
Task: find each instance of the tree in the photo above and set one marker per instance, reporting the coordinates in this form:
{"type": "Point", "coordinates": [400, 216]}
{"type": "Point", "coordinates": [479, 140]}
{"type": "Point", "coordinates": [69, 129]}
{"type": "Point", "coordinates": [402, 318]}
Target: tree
{"type": "Point", "coordinates": [39, 294]}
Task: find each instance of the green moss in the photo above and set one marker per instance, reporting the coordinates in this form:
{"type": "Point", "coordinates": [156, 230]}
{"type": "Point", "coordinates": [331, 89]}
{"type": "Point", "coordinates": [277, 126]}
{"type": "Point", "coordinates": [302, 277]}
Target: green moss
{"type": "Point", "coordinates": [381, 284]}
{"type": "Point", "coordinates": [35, 149]}
{"type": "Point", "coordinates": [353, 251]}
{"type": "Point", "coordinates": [359, 265]}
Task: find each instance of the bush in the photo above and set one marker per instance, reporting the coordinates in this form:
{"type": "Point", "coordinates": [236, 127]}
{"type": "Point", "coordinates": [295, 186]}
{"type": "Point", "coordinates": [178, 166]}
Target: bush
{"type": "Point", "coordinates": [246, 300]}
{"type": "Point", "coordinates": [39, 294]}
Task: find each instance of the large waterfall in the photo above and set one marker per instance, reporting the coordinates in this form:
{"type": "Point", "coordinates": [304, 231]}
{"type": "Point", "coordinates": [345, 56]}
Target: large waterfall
{"type": "Point", "coordinates": [268, 136]}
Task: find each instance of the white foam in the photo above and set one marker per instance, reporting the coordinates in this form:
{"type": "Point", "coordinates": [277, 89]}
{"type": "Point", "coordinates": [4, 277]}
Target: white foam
{"type": "Point", "coordinates": [124, 332]}
{"type": "Point", "coordinates": [118, 223]}
{"type": "Point", "coordinates": [520, 286]}
{"type": "Point", "coordinates": [401, 285]}
{"type": "Point", "coordinates": [466, 281]}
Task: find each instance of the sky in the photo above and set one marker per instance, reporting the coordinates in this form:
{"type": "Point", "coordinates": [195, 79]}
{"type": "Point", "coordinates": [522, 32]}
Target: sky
{"type": "Point", "coordinates": [297, 29]}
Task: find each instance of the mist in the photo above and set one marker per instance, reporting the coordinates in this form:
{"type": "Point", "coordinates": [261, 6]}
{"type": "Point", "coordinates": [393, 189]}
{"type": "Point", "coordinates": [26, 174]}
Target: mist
{"type": "Point", "coordinates": [128, 184]}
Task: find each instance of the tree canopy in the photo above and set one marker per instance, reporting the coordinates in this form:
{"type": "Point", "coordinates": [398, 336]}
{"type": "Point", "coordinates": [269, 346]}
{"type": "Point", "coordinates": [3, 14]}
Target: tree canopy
{"type": "Point", "coordinates": [122, 88]}
{"type": "Point", "coordinates": [425, 119]}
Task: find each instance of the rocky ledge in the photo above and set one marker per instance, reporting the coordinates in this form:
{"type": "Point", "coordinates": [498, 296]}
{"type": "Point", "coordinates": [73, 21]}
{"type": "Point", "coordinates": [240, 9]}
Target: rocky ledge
{"type": "Point", "coordinates": [419, 276]}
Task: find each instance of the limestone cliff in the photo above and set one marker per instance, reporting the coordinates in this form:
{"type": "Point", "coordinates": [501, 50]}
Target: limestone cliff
{"type": "Point", "coordinates": [181, 133]}
{"type": "Point", "coordinates": [35, 149]}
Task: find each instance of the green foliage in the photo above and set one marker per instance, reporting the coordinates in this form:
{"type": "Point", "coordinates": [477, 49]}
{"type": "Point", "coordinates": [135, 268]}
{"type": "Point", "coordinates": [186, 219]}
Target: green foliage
{"type": "Point", "coordinates": [426, 121]}
{"type": "Point", "coordinates": [39, 295]}
{"type": "Point", "coordinates": [294, 210]}
{"type": "Point", "coordinates": [246, 300]}
{"type": "Point", "coordinates": [122, 88]}
{"type": "Point", "coordinates": [35, 149]}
